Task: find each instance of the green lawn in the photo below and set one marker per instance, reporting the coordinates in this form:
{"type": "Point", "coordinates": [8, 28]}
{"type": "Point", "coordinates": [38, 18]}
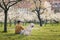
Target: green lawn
{"type": "Point", "coordinates": [48, 32]}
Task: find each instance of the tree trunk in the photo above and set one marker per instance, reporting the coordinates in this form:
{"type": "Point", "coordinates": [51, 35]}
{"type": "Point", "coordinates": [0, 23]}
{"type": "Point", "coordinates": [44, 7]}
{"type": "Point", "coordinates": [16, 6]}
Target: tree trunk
{"type": "Point", "coordinates": [40, 21]}
{"type": "Point", "coordinates": [5, 21]}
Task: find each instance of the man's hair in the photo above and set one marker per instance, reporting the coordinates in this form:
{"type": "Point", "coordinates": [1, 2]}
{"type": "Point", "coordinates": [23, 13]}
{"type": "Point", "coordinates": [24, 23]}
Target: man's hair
{"type": "Point", "coordinates": [18, 22]}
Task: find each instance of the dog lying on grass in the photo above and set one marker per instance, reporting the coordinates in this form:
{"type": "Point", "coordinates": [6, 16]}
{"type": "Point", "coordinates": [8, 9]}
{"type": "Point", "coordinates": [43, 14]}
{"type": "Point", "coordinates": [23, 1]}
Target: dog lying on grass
{"type": "Point", "coordinates": [28, 30]}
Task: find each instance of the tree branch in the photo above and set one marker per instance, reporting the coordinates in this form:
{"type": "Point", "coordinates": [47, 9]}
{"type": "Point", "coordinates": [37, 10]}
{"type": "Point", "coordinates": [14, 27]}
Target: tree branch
{"type": "Point", "coordinates": [10, 2]}
{"type": "Point", "coordinates": [43, 11]}
{"type": "Point", "coordinates": [46, 8]}
{"type": "Point", "coordinates": [40, 5]}
{"type": "Point", "coordinates": [35, 4]}
{"type": "Point", "coordinates": [2, 7]}
{"type": "Point", "coordinates": [13, 3]}
{"type": "Point", "coordinates": [33, 10]}
{"type": "Point", "coordinates": [4, 4]}
{"type": "Point", "coordinates": [40, 2]}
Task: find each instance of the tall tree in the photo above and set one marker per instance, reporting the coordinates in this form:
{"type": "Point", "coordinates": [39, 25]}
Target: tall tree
{"type": "Point", "coordinates": [5, 5]}
{"type": "Point", "coordinates": [38, 7]}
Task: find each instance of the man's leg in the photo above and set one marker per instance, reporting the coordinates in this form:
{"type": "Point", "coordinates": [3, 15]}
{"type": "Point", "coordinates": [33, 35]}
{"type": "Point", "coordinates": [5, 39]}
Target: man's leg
{"type": "Point", "coordinates": [22, 31]}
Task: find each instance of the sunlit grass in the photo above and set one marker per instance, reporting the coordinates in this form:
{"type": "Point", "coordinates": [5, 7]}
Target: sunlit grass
{"type": "Point", "coordinates": [47, 32]}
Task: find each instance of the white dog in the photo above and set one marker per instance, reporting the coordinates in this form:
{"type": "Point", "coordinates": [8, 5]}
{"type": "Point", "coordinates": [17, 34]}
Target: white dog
{"type": "Point", "coordinates": [28, 30]}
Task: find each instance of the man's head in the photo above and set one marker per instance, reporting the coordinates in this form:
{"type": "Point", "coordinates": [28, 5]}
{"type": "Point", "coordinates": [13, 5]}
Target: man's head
{"type": "Point", "coordinates": [18, 22]}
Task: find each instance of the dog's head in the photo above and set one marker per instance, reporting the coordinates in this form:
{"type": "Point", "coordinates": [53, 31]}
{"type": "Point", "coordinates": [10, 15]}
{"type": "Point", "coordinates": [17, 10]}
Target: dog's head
{"type": "Point", "coordinates": [32, 24]}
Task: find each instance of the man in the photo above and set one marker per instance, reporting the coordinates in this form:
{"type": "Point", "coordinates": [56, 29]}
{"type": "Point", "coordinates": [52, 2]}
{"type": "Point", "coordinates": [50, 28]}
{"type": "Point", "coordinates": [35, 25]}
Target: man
{"type": "Point", "coordinates": [18, 27]}
{"type": "Point", "coordinates": [28, 30]}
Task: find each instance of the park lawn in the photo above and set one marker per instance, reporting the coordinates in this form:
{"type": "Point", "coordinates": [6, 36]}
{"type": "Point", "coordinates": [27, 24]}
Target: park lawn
{"type": "Point", "coordinates": [48, 32]}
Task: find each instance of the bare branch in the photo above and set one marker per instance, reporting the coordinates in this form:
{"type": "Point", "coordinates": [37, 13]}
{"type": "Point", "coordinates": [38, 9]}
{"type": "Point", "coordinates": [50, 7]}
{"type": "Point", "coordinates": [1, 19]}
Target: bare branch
{"type": "Point", "coordinates": [2, 7]}
{"type": "Point", "coordinates": [12, 5]}
{"type": "Point", "coordinates": [40, 4]}
{"type": "Point", "coordinates": [15, 2]}
{"type": "Point", "coordinates": [35, 4]}
{"type": "Point", "coordinates": [34, 1]}
{"type": "Point", "coordinates": [43, 11]}
{"type": "Point", "coordinates": [37, 8]}
{"type": "Point", "coordinates": [33, 10]}
{"type": "Point", "coordinates": [10, 2]}
{"type": "Point", "coordinates": [4, 4]}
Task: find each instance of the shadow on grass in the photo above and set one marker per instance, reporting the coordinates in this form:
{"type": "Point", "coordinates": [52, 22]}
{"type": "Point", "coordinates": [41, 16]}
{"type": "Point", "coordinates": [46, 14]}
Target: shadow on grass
{"type": "Point", "coordinates": [16, 36]}
{"type": "Point", "coordinates": [12, 36]}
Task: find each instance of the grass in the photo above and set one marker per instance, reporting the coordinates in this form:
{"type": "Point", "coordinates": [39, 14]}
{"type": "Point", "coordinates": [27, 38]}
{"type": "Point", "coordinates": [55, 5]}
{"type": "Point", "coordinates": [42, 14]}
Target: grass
{"type": "Point", "coordinates": [48, 32]}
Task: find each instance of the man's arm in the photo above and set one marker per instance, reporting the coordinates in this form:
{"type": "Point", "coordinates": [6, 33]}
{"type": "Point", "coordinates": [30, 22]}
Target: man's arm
{"type": "Point", "coordinates": [22, 28]}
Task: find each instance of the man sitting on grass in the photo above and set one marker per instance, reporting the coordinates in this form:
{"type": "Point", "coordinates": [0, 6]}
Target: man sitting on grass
{"type": "Point", "coordinates": [18, 27]}
{"type": "Point", "coordinates": [28, 30]}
